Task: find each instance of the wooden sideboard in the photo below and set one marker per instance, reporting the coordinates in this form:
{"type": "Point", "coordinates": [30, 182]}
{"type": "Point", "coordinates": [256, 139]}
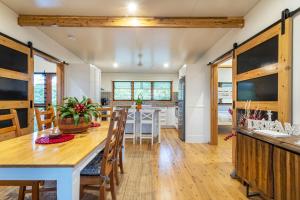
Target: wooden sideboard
{"type": "Point", "coordinates": [270, 166]}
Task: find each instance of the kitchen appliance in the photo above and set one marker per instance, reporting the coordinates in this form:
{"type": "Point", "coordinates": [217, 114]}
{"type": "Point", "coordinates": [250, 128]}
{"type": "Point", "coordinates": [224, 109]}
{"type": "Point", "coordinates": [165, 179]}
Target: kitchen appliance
{"type": "Point", "coordinates": [181, 109]}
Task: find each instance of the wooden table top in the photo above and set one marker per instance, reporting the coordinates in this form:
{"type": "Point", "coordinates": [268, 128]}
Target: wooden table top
{"type": "Point", "coordinates": [22, 151]}
{"type": "Point", "coordinates": [291, 143]}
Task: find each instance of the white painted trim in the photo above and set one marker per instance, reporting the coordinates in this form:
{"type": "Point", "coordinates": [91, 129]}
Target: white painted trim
{"type": "Point", "coordinates": [196, 139]}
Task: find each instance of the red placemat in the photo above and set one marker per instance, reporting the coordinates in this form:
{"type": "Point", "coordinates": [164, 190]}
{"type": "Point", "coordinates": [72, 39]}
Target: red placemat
{"type": "Point", "coordinates": [60, 139]}
{"type": "Point", "coordinates": [94, 124]}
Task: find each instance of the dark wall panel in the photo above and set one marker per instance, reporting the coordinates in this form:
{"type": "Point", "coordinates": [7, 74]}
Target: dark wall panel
{"type": "Point", "coordinates": [23, 117]}
{"type": "Point", "coordinates": [261, 55]}
{"type": "Point", "coordinates": [12, 89]}
{"type": "Point", "coordinates": [258, 89]}
{"type": "Point", "coordinates": [13, 60]}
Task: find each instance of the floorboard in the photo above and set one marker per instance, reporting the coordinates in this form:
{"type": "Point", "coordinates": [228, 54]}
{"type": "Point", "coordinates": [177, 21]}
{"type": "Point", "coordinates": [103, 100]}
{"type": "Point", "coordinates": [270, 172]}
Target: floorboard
{"type": "Point", "coordinates": [172, 170]}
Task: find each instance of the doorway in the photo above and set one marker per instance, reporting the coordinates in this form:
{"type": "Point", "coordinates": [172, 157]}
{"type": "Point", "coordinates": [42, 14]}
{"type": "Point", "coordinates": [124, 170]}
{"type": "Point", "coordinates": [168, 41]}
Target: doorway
{"type": "Point", "coordinates": [221, 98]}
{"type": "Point", "coordinates": [48, 84]}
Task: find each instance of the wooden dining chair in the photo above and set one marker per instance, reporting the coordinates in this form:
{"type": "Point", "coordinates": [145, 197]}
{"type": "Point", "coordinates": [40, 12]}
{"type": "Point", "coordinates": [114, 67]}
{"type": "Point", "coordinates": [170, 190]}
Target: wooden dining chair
{"type": "Point", "coordinates": [45, 118]}
{"type": "Point", "coordinates": [100, 170]}
{"type": "Point", "coordinates": [13, 130]}
{"type": "Point", "coordinates": [106, 112]}
{"type": "Point", "coordinates": [119, 148]}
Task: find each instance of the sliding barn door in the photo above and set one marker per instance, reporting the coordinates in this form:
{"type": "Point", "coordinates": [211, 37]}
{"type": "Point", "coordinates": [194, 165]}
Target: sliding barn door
{"type": "Point", "coordinates": [16, 86]}
{"type": "Point", "coordinates": [262, 74]}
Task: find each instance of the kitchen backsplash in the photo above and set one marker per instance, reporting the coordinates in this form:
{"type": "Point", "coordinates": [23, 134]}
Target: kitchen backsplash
{"type": "Point", "coordinates": [109, 96]}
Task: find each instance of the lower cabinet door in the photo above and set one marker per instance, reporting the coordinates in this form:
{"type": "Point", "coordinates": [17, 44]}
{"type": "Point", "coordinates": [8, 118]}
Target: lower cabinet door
{"type": "Point", "coordinates": [286, 175]}
{"type": "Point", "coordinates": [254, 164]}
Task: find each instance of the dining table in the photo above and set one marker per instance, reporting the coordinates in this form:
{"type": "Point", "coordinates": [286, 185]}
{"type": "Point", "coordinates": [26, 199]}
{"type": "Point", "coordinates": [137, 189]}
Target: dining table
{"type": "Point", "coordinates": [22, 159]}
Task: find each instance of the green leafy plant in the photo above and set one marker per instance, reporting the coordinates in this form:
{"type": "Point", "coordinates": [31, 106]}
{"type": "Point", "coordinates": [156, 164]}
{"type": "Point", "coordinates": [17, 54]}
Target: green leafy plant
{"type": "Point", "coordinates": [139, 101]}
{"type": "Point", "coordinates": [73, 108]}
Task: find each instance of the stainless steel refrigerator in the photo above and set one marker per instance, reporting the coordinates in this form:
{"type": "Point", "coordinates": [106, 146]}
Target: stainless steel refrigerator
{"type": "Point", "coordinates": [181, 109]}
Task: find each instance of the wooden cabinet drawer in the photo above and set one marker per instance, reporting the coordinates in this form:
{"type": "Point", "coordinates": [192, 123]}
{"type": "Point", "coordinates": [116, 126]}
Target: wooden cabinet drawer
{"type": "Point", "coordinates": [254, 164]}
{"type": "Point", "coordinates": [286, 175]}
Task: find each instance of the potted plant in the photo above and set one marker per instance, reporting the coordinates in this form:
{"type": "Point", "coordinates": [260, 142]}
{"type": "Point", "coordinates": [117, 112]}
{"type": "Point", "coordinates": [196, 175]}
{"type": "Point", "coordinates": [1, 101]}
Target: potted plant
{"type": "Point", "coordinates": [139, 102]}
{"type": "Point", "coordinates": [75, 116]}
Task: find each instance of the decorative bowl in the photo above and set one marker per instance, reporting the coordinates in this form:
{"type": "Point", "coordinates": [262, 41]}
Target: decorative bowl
{"type": "Point", "coordinates": [67, 125]}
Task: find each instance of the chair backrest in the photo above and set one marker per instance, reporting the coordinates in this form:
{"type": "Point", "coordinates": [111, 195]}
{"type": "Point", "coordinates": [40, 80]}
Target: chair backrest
{"type": "Point", "coordinates": [147, 114]}
{"type": "Point", "coordinates": [45, 118]}
{"type": "Point", "coordinates": [131, 114]}
{"type": "Point", "coordinates": [106, 112]}
{"type": "Point", "coordinates": [110, 146]}
{"type": "Point", "coordinates": [123, 119]}
{"type": "Point", "coordinates": [13, 129]}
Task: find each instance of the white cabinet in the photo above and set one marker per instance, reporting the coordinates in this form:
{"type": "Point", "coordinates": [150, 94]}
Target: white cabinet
{"type": "Point", "coordinates": [167, 117]}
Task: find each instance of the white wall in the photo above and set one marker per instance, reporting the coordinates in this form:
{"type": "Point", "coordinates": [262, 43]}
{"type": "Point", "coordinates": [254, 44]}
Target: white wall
{"type": "Point", "coordinates": [41, 65]}
{"type": "Point", "coordinates": [224, 74]}
{"type": "Point", "coordinates": [296, 70]}
{"type": "Point", "coordinates": [107, 79]}
{"type": "Point", "coordinates": [9, 26]}
{"type": "Point", "coordinates": [83, 80]}
{"type": "Point", "coordinates": [261, 16]}
{"type": "Point", "coordinates": [95, 83]}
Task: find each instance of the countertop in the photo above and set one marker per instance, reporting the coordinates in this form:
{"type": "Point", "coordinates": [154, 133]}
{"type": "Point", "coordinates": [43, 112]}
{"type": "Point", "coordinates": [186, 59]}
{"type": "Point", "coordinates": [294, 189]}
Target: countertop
{"type": "Point", "coordinates": [291, 143]}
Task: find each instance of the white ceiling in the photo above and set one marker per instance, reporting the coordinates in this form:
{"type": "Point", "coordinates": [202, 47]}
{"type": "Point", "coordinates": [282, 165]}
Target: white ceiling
{"type": "Point", "coordinates": [104, 46]}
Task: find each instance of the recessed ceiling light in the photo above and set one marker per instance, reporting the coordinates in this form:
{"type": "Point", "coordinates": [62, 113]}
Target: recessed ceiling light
{"type": "Point", "coordinates": [184, 65]}
{"type": "Point", "coordinates": [131, 7]}
{"type": "Point", "coordinates": [116, 65]}
{"type": "Point", "coordinates": [166, 65]}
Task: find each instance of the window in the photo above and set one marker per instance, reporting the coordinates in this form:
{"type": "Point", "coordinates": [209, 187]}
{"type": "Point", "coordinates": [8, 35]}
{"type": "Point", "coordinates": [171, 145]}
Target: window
{"type": "Point", "coordinates": [148, 90]}
{"type": "Point", "coordinates": [44, 89]}
{"type": "Point", "coordinates": [39, 89]}
{"type": "Point", "coordinates": [122, 90]}
{"type": "Point", "coordinates": [53, 88]}
{"type": "Point", "coordinates": [162, 90]}
{"type": "Point", "coordinates": [143, 89]}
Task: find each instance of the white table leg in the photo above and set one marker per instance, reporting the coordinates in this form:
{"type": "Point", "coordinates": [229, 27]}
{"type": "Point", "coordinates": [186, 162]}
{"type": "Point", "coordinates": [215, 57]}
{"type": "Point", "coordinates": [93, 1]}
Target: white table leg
{"type": "Point", "coordinates": [68, 185]}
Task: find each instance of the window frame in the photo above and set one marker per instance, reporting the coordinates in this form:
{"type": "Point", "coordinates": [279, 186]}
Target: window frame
{"type": "Point", "coordinates": [152, 90]}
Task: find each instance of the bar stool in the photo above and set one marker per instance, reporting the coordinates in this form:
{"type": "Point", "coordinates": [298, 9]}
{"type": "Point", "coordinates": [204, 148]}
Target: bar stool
{"type": "Point", "coordinates": [147, 118]}
{"type": "Point", "coordinates": [131, 119]}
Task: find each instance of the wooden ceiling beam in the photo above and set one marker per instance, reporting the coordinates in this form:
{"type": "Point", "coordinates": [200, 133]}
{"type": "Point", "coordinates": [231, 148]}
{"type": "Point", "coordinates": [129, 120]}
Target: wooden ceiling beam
{"type": "Point", "coordinates": [150, 22]}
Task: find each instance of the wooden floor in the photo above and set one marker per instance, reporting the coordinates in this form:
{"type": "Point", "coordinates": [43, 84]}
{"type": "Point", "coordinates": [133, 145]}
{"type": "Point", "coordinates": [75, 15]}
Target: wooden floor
{"type": "Point", "coordinates": [172, 170]}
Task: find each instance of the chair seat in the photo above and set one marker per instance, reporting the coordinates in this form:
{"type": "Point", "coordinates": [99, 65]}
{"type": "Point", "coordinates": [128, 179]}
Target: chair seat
{"type": "Point", "coordinates": [93, 168]}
